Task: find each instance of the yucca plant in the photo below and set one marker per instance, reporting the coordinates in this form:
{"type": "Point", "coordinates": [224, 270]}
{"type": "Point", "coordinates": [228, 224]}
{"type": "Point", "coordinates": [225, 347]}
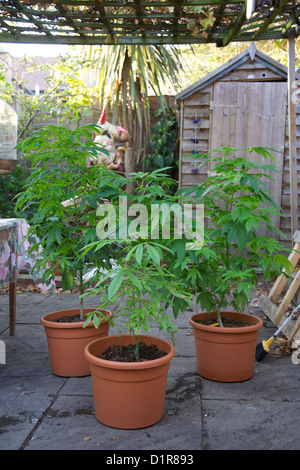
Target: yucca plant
{"type": "Point", "coordinates": [124, 75]}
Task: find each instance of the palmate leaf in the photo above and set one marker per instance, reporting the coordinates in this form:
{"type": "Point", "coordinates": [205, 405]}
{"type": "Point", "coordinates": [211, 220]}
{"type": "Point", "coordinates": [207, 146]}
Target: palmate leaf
{"type": "Point", "coordinates": [115, 283]}
{"type": "Point", "coordinates": [154, 254]}
{"type": "Point", "coordinates": [244, 287]}
{"type": "Point", "coordinates": [67, 280]}
{"type": "Point", "coordinates": [139, 254]}
{"type": "Point", "coordinates": [241, 236]}
{"type": "Point", "coordinates": [134, 279]}
{"type": "Point", "coordinates": [251, 222]}
{"type": "Point", "coordinates": [179, 247]}
{"type": "Point", "coordinates": [264, 151]}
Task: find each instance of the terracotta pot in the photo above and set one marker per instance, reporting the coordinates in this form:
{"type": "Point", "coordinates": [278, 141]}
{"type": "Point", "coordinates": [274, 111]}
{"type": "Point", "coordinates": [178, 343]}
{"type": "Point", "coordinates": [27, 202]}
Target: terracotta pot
{"type": "Point", "coordinates": [66, 342]}
{"type": "Point", "coordinates": [226, 354]}
{"type": "Point", "coordinates": [128, 395]}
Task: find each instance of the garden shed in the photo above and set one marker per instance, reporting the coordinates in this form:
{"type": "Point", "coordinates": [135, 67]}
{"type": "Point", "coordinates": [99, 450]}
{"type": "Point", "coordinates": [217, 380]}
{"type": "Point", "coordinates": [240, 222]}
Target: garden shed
{"type": "Point", "coordinates": [242, 103]}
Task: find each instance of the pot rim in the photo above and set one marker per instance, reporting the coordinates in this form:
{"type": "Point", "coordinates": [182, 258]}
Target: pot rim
{"type": "Point", "coordinates": [129, 365]}
{"type": "Point", "coordinates": [47, 322]}
{"type": "Point", "coordinates": [257, 324]}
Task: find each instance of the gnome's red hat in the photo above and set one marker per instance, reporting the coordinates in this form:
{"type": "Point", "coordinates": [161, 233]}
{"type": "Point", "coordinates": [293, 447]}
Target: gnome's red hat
{"type": "Point", "coordinates": [103, 116]}
{"type": "Point", "coordinates": [121, 129]}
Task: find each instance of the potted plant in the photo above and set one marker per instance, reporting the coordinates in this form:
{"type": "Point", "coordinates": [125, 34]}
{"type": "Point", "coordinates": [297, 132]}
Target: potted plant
{"type": "Point", "coordinates": [129, 369]}
{"type": "Point", "coordinates": [237, 203]}
{"type": "Point", "coordinates": [63, 193]}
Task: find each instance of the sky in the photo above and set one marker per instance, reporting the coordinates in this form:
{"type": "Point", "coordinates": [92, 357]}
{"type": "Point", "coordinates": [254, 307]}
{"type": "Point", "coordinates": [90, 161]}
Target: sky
{"type": "Point", "coordinates": [44, 50]}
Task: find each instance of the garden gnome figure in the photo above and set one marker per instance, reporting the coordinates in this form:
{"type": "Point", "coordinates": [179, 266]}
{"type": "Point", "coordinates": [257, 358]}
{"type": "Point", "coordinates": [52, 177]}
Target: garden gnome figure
{"type": "Point", "coordinates": [109, 137]}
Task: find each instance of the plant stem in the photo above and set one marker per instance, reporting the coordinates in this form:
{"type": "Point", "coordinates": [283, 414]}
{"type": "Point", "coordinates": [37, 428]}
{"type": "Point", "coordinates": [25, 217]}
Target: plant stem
{"type": "Point", "coordinates": [81, 308]}
{"type": "Point", "coordinates": [81, 292]}
{"type": "Point", "coordinates": [219, 318]}
{"type": "Point", "coordinates": [137, 348]}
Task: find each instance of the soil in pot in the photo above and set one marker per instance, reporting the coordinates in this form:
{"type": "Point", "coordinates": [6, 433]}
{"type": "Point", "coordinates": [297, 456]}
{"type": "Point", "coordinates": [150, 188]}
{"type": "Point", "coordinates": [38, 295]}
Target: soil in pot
{"type": "Point", "coordinates": [68, 319]}
{"type": "Point", "coordinates": [227, 322]}
{"type": "Point", "coordinates": [126, 353]}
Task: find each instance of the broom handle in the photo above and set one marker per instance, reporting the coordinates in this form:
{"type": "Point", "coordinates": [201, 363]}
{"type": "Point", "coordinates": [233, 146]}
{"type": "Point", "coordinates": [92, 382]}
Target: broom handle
{"type": "Point", "coordinates": [287, 320]}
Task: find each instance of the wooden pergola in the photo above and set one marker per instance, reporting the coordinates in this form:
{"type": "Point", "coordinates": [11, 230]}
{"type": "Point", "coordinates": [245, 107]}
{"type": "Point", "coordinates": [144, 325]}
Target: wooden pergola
{"type": "Point", "coordinates": [150, 22]}
{"type": "Point", "coordinates": [147, 21]}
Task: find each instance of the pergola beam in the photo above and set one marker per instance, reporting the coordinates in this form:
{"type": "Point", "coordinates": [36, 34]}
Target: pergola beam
{"type": "Point", "coordinates": [235, 28]}
{"type": "Point", "coordinates": [145, 22]}
{"type": "Point", "coordinates": [271, 18]}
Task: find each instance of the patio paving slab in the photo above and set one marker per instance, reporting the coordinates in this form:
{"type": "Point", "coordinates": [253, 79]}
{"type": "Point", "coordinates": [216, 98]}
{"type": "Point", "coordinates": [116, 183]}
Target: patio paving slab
{"type": "Point", "coordinates": [40, 411]}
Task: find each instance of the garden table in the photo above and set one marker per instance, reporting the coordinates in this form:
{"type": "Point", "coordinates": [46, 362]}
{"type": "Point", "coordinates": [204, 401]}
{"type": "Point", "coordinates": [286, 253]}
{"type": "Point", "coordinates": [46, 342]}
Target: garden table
{"type": "Point", "coordinates": [14, 257]}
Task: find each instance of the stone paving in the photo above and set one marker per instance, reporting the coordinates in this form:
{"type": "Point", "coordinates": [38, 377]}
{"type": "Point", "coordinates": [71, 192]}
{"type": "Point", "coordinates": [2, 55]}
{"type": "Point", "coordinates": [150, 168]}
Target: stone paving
{"type": "Point", "coordinates": [40, 411]}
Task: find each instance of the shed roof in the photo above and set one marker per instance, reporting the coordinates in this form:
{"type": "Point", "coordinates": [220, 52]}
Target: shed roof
{"type": "Point", "coordinates": [250, 53]}
{"type": "Point", "coordinates": [146, 21]}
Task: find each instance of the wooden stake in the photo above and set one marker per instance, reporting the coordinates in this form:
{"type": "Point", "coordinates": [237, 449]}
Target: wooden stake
{"type": "Point", "coordinates": [292, 135]}
{"type": "Point", "coordinates": [281, 281]}
{"type": "Point", "coordinates": [276, 313]}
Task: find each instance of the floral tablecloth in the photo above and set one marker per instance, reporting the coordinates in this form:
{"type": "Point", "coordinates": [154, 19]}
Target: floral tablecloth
{"type": "Point", "coordinates": [14, 253]}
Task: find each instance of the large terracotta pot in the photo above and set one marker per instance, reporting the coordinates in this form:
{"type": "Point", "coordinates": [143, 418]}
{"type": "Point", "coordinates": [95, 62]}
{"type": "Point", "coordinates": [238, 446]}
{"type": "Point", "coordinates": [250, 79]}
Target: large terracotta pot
{"type": "Point", "coordinates": [226, 354]}
{"type": "Point", "coordinates": [128, 395]}
{"type": "Point", "coordinates": [67, 341]}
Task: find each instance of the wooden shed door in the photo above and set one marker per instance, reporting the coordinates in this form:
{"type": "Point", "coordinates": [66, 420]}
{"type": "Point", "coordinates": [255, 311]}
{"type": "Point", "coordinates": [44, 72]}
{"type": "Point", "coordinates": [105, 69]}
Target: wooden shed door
{"type": "Point", "coordinates": [247, 114]}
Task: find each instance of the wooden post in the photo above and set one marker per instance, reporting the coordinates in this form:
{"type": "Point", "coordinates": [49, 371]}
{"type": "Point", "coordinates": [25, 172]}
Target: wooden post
{"type": "Point", "coordinates": [292, 135]}
{"type": "Point", "coordinates": [180, 143]}
{"type": "Point", "coordinates": [12, 306]}
{"type": "Point", "coordinates": [250, 8]}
